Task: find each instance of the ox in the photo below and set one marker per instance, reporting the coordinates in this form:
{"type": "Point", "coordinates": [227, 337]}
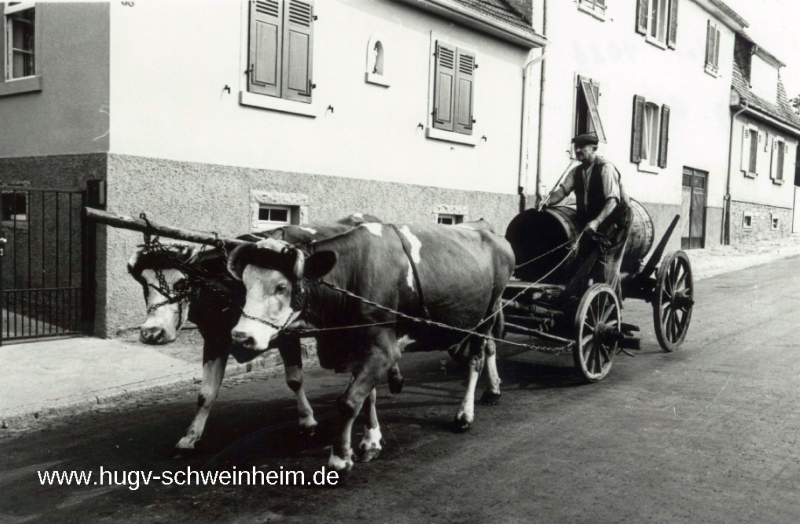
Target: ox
{"type": "Point", "coordinates": [215, 309]}
{"type": "Point", "coordinates": [456, 278]}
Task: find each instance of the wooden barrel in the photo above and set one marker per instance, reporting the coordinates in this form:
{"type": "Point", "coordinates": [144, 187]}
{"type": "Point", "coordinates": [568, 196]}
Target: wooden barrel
{"type": "Point", "coordinates": [538, 235]}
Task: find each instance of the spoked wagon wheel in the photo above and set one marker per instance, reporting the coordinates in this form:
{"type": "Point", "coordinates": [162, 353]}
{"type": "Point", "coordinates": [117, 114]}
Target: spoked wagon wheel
{"type": "Point", "coordinates": [597, 326]}
{"type": "Point", "coordinates": [672, 305]}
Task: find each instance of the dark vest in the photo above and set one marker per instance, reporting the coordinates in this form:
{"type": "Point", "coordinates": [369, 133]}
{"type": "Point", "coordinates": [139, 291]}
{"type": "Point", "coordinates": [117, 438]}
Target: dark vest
{"type": "Point", "coordinates": [596, 196]}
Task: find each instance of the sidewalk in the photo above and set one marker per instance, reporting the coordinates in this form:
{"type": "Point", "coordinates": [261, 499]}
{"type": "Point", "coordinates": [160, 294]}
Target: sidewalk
{"type": "Point", "coordinates": [54, 378]}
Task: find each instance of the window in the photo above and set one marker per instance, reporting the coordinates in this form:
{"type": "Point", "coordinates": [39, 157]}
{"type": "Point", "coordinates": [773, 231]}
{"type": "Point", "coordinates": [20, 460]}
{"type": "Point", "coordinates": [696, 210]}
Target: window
{"type": "Point", "coordinates": [747, 222]}
{"type": "Point", "coordinates": [14, 206]}
{"type": "Point", "coordinates": [453, 89]}
{"type": "Point", "coordinates": [712, 49]}
{"type": "Point", "coordinates": [449, 220]}
{"type": "Point", "coordinates": [658, 21]}
{"type": "Point", "coordinates": [20, 48]}
{"type": "Point", "coordinates": [778, 160]}
{"type": "Point", "coordinates": [270, 217]}
{"type": "Point", "coordinates": [750, 139]}
{"type": "Point", "coordinates": [596, 8]}
{"type": "Point", "coordinates": [650, 134]}
{"type": "Point", "coordinates": [281, 49]}
{"type": "Point", "coordinates": [271, 209]}
{"type": "Point", "coordinates": [587, 115]}
{"type": "Point", "coordinates": [376, 62]}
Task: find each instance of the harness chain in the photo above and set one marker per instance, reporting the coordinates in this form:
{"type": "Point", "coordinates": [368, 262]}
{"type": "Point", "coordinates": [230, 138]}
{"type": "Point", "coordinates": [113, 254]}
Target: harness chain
{"type": "Point", "coordinates": [153, 244]}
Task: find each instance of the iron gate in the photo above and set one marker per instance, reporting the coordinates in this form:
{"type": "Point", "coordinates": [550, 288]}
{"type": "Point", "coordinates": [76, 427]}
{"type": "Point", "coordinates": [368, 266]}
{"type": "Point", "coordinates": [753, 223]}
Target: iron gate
{"type": "Point", "coordinates": [43, 263]}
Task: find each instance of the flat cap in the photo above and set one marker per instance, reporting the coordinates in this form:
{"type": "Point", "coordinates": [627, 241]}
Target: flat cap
{"type": "Point", "coordinates": [584, 139]}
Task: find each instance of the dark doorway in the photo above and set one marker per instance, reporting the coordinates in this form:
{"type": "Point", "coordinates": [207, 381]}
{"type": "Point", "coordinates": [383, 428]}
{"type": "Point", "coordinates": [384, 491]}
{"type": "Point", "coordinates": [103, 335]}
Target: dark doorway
{"type": "Point", "coordinates": [693, 209]}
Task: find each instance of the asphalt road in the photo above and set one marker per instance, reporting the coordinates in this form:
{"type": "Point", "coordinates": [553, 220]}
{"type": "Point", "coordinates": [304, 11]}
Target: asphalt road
{"type": "Point", "coordinates": [706, 434]}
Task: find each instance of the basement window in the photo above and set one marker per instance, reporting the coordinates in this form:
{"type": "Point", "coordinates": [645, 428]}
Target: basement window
{"type": "Point", "coordinates": [775, 222]}
{"type": "Point", "coordinates": [747, 222]}
{"type": "Point", "coordinates": [449, 220]}
{"type": "Point", "coordinates": [271, 217]}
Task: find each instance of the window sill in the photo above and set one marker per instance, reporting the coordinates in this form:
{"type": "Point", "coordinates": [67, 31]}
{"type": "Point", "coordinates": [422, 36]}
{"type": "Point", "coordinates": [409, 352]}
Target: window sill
{"type": "Point", "coordinates": [657, 43]}
{"type": "Point", "coordinates": [31, 84]}
{"type": "Point", "coordinates": [645, 167]}
{"type": "Point", "coordinates": [777, 182]}
{"type": "Point", "coordinates": [749, 175]}
{"type": "Point", "coordinates": [375, 78]}
{"type": "Point", "coordinates": [451, 136]}
{"type": "Point", "coordinates": [712, 71]}
{"type": "Point", "coordinates": [599, 14]}
{"type": "Point", "coordinates": [277, 104]}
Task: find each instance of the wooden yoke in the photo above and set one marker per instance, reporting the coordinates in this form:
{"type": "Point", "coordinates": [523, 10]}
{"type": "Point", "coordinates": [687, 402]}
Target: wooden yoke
{"type": "Point", "coordinates": [148, 226]}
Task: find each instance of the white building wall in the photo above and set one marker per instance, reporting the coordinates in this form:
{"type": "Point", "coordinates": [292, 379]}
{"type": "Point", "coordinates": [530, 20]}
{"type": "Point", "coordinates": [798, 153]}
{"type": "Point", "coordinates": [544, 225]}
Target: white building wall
{"type": "Point", "coordinates": [625, 64]}
{"type": "Point", "coordinates": [761, 189]}
{"type": "Point", "coordinates": [170, 64]}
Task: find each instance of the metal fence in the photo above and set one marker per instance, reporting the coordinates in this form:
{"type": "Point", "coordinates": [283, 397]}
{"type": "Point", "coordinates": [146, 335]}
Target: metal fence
{"type": "Point", "coordinates": [43, 263]}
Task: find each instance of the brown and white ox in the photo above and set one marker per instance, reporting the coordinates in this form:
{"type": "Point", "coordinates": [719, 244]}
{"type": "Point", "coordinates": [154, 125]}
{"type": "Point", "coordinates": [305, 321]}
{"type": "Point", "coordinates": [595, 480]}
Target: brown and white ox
{"type": "Point", "coordinates": [215, 309]}
{"type": "Point", "coordinates": [462, 273]}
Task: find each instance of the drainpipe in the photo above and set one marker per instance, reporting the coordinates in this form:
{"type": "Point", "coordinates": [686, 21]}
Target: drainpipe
{"type": "Point", "coordinates": [523, 150]}
{"type": "Point", "coordinates": [726, 205]}
{"type": "Point", "coordinates": [539, 195]}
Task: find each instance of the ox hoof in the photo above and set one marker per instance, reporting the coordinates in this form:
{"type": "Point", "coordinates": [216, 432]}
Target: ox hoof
{"type": "Point", "coordinates": [308, 431]}
{"type": "Point", "coordinates": [396, 384]}
{"type": "Point", "coordinates": [461, 424]}
{"type": "Point", "coordinates": [186, 449]}
{"type": "Point", "coordinates": [490, 399]}
{"type": "Point", "coordinates": [339, 464]}
{"type": "Point", "coordinates": [365, 454]}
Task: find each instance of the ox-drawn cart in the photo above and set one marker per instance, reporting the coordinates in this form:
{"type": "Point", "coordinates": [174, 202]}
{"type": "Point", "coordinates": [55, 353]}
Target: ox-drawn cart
{"type": "Point", "coordinates": [552, 298]}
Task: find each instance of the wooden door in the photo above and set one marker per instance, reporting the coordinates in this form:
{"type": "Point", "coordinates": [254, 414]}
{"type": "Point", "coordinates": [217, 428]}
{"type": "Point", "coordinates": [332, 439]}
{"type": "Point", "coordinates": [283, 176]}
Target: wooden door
{"type": "Point", "coordinates": [693, 209]}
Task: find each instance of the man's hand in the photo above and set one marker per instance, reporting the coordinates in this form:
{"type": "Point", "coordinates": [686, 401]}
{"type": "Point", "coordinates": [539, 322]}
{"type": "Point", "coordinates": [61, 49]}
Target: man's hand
{"type": "Point", "coordinates": [592, 226]}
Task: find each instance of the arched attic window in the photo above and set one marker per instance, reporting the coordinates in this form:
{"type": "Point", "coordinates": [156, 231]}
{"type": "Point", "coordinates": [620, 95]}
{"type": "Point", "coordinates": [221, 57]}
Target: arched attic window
{"type": "Point", "coordinates": [376, 62]}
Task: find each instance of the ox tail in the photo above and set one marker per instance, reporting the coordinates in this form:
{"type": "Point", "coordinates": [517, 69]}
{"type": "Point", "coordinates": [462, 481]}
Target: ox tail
{"type": "Point", "coordinates": [499, 327]}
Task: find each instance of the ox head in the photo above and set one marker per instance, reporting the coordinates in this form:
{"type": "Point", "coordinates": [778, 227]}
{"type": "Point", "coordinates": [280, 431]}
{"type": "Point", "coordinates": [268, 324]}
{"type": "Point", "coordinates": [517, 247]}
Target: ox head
{"type": "Point", "coordinates": [272, 273]}
{"type": "Point", "coordinates": [164, 318]}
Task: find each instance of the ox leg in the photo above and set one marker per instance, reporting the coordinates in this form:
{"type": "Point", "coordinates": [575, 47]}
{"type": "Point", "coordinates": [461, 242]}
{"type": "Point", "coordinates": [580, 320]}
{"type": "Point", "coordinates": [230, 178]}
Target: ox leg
{"type": "Point", "coordinates": [363, 383]}
{"type": "Point", "coordinates": [291, 354]}
{"type": "Point", "coordinates": [371, 442]}
{"type": "Point", "coordinates": [215, 358]}
{"type": "Point", "coordinates": [466, 413]}
{"type": "Point", "coordinates": [491, 395]}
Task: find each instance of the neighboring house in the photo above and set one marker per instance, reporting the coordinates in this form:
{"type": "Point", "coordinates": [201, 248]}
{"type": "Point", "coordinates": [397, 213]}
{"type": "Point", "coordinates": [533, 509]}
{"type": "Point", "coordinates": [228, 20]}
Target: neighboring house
{"type": "Point", "coordinates": [652, 79]}
{"type": "Point", "coordinates": [764, 139]}
{"type": "Point", "coordinates": [236, 116]}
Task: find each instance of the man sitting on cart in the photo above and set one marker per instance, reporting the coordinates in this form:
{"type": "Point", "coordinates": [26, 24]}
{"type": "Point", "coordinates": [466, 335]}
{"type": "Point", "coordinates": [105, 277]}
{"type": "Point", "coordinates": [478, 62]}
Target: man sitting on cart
{"type": "Point", "coordinates": [603, 208]}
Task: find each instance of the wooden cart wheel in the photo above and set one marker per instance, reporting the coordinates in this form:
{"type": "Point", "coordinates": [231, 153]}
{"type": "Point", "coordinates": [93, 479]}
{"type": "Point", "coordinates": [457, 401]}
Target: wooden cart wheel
{"type": "Point", "coordinates": [597, 326]}
{"type": "Point", "coordinates": [672, 305]}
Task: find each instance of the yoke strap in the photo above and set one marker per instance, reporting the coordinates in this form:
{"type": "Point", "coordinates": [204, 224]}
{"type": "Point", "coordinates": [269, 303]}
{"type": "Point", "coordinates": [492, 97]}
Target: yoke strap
{"type": "Point", "coordinates": [407, 249]}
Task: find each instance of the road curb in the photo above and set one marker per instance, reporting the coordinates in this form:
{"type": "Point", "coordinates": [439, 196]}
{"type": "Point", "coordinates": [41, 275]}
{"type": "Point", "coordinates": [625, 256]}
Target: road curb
{"type": "Point", "coordinates": [264, 366]}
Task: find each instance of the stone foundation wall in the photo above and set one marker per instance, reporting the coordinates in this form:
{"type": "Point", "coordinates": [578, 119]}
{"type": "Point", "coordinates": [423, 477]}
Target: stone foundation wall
{"type": "Point", "coordinates": [760, 222]}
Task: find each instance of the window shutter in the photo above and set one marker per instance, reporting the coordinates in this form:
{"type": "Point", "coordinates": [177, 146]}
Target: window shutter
{"type": "Point", "coordinates": [266, 22]}
{"type": "Point", "coordinates": [298, 19]}
{"type": "Point", "coordinates": [662, 149]}
{"type": "Point", "coordinates": [444, 87]}
{"type": "Point", "coordinates": [716, 47]}
{"type": "Point", "coordinates": [745, 163]}
{"type": "Point", "coordinates": [709, 43]}
{"type": "Point", "coordinates": [672, 34]}
{"type": "Point", "coordinates": [641, 17]}
{"type": "Point", "coordinates": [638, 124]}
{"type": "Point", "coordinates": [591, 92]}
{"type": "Point", "coordinates": [465, 91]}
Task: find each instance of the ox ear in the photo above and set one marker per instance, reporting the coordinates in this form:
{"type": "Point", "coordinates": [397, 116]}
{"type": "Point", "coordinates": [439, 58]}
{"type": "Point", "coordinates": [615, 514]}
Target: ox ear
{"type": "Point", "coordinates": [319, 264]}
{"type": "Point", "coordinates": [134, 268]}
{"type": "Point", "coordinates": [236, 260]}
